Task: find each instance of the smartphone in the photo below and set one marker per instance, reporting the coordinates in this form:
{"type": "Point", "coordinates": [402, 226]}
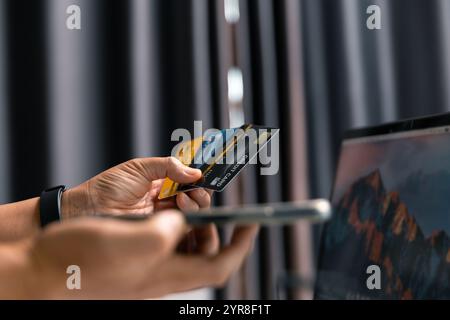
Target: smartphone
{"type": "Point", "coordinates": [314, 211]}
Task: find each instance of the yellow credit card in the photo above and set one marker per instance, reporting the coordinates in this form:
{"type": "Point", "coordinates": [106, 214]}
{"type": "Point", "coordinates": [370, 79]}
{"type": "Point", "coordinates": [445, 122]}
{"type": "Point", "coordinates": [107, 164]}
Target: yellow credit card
{"type": "Point", "coordinates": [185, 153]}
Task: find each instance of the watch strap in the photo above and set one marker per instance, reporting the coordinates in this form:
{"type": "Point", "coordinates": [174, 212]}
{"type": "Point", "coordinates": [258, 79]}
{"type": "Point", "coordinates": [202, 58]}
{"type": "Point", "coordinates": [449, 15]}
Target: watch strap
{"type": "Point", "coordinates": [50, 205]}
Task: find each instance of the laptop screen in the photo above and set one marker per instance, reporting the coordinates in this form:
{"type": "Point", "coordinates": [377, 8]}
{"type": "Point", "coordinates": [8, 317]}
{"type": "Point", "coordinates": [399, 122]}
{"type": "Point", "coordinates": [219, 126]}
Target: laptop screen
{"type": "Point", "coordinates": [389, 237]}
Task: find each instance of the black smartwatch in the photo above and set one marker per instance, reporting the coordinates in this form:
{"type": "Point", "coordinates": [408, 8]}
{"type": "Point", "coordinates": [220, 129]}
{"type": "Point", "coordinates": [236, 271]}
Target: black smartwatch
{"type": "Point", "coordinates": [50, 205]}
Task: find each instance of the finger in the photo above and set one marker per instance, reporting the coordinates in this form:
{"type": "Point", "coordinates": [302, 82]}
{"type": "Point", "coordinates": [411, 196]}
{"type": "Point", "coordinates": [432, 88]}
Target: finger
{"type": "Point", "coordinates": [201, 197]}
{"type": "Point", "coordinates": [188, 244]}
{"type": "Point", "coordinates": [232, 256]}
{"type": "Point", "coordinates": [158, 168]}
{"type": "Point", "coordinates": [155, 188]}
{"type": "Point", "coordinates": [164, 204]}
{"type": "Point", "coordinates": [185, 203]}
{"type": "Point", "coordinates": [165, 230]}
{"type": "Point", "coordinates": [207, 239]}
{"type": "Point", "coordinates": [240, 245]}
{"type": "Point", "coordinates": [157, 236]}
{"type": "Point", "coordinates": [200, 270]}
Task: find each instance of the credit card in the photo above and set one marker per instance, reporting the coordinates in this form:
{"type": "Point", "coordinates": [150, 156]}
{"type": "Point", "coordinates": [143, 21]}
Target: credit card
{"type": "Point", "coordinates": [220, 155]}
{"type": "Point", "coordinates": [185, 153]}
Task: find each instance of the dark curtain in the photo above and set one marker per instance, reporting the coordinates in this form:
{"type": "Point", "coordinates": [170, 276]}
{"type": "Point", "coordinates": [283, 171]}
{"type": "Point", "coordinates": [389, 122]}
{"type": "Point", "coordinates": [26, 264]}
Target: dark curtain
{"type": "Point", "coordinates": [73, 103]}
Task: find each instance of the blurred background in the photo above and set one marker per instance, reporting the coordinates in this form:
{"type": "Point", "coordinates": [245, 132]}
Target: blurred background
{"type": "Point", "coordinates": [75, 102]}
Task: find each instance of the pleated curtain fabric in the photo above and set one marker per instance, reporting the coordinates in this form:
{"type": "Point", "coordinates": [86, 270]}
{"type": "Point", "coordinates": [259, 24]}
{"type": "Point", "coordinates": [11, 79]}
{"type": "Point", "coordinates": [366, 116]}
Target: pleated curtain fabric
{"type": "Point", "coordinates": [4, 128]}
{"type": "Point", "coordinates": [73, 103]}
{"type": "Point", "coordinates": [299, 247]}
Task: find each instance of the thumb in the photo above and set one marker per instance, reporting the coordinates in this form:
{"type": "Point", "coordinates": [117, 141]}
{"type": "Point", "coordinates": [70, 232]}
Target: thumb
{"type": "Point", "coordinates": [166, 229]}
{"type": "Point", "coordinates": [158, 168]}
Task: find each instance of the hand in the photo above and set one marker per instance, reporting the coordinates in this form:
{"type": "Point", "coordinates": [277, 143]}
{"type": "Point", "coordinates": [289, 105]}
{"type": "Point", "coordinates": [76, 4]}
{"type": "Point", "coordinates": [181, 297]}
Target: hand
{"type": "Point", "coordinates": [123, 259]}
{"type": "Point", "coordinates": [133, 188]}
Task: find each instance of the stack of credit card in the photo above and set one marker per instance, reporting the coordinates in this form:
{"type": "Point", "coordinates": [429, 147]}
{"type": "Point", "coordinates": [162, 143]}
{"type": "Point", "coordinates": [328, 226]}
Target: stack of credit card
{"type": "Point", "coordinates": [220, 155]}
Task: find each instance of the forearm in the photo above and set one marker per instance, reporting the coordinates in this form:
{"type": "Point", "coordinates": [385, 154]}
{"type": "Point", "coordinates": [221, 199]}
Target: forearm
{"type": "Point", "coordinates": [15, 277]}
{"type": "Point", "coordinates": [19, 220]}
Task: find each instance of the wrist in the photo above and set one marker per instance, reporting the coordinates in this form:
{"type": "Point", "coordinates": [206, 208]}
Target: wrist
{"type": "Point", "coordinates": [75, 202]}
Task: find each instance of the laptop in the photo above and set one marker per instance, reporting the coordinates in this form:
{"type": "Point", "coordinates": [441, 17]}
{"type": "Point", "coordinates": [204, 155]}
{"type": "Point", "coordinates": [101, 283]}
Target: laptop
{"type": "Point", "coordinates": [389, 236]}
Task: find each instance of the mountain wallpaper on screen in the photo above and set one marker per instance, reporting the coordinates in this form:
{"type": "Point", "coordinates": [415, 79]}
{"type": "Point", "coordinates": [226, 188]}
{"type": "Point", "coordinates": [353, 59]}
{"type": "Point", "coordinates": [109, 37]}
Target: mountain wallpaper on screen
{"type": "Point", "coordinates": [372, 226]}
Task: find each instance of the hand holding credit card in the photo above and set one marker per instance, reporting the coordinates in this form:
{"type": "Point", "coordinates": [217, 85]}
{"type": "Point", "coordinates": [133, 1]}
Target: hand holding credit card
{"type": "Point", "coordinates": [220, 155]}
